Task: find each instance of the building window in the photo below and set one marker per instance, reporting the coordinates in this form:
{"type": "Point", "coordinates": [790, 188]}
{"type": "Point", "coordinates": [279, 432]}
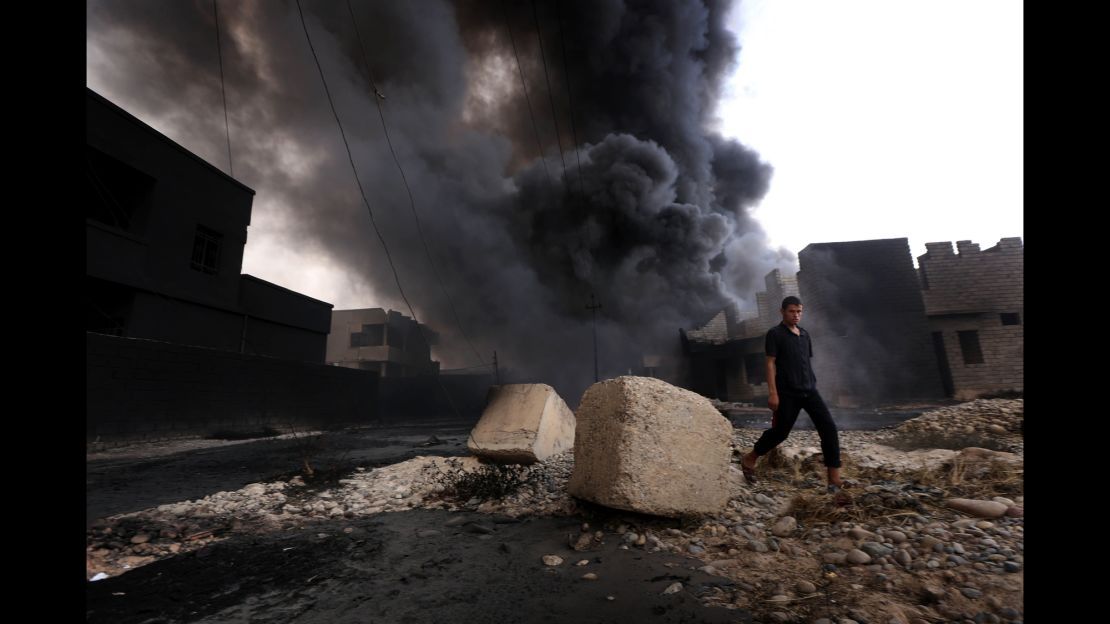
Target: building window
{"type": "Point", "coordinates": [370, 336]}
{"type": "Point", "coordinates": [206, 250]}
{"type": "Point", "coordinates": [1010, 318]}
{"type": "Point", "coordinates": [375, 335]}
{"type": "Point", "coordinates": [117, 193]}
{"type": "Point", "coordinates": [969, 345]}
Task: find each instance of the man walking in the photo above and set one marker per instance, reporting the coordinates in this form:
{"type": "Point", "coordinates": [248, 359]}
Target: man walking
{"type": "Point", "coordinates": [793, 387]}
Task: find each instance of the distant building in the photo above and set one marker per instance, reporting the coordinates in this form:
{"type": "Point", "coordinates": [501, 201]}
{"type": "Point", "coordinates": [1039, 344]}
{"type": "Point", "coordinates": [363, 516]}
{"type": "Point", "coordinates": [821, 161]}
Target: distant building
{"type": "Point", "coordinates": [726, 359]}
{"type": "Point", "coordinates": [165, 233]}
{"type": "Point", "coordinates": [883, 331]}
{"type": "Point", "coordinates": [389, 343]}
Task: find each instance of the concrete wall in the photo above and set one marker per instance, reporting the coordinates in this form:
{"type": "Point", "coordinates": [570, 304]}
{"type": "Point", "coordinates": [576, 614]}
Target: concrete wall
{"type": "Point", "coordinates": [970, 291]}
{"type": "Point", "coordinates": [284, 323]}
{"type": "Point", "coordinates": [455, 398]}
{"type": "Point", "coordinates": [144, 389]}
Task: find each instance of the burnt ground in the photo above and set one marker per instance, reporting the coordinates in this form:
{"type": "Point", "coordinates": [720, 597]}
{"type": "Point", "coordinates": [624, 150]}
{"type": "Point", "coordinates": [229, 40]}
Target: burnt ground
{"type": "Point", "coordinates": [391, 567]}
{"type": "Point", "coordinates": [409, 567]}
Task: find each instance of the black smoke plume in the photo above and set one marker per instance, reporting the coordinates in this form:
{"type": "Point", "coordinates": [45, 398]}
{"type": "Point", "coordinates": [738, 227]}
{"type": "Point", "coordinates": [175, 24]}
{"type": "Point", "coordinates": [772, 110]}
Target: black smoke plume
{"type": "Point", "coordinates": [611, 182]}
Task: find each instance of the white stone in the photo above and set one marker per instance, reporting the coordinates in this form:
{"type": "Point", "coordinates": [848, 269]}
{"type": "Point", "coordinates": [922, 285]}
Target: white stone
{"type": "Point", "coordinates": [977, 508]}
{"type": "Point", "coordinates": [784, 527]}
{"type": "Point", "coordinates": [644, 445]}
{"type": "Point", "coordinates": [523, 423]}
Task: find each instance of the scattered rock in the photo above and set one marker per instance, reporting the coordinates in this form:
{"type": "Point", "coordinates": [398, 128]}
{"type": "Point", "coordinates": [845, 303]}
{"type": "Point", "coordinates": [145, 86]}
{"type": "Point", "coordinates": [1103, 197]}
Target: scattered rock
{"type": "Point", "coordinates": [785, 526]}
{"type": "Point", "coordinates": [858, 557]}
{"type": "Point", "coordinates": [977, 508]}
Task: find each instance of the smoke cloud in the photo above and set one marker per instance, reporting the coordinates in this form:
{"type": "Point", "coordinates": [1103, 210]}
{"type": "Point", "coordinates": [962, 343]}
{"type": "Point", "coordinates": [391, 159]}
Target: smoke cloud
{"type": "Point", "coordinates": [528, 204]}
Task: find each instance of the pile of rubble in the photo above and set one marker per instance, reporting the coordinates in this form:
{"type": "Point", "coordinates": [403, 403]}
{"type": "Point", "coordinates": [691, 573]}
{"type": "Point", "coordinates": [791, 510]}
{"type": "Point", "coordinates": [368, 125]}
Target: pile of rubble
{"type": "Point", "coordinates": [994, 422]}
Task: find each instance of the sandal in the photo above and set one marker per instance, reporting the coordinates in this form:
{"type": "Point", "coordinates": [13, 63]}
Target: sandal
{"type": "Point", "coordinates": [749, 473]}
{"type": "Point", "coordinates": [845, 484]}
{"type": "Point", "coordinates": [839, 494]}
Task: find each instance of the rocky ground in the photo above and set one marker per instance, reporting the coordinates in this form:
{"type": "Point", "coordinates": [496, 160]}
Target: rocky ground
{"type": "Point", "coordinates": [932, 530]}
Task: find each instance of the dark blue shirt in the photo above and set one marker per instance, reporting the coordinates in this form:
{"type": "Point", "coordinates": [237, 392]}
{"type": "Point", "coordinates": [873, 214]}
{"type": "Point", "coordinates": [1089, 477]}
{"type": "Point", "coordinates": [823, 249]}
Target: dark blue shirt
{"type": "Point", "coordinates": [793, 372]}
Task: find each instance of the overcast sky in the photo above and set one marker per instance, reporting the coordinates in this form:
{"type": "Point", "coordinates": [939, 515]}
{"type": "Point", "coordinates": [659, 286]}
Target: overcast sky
{"type": "Point", "coordinates": [882, 118]}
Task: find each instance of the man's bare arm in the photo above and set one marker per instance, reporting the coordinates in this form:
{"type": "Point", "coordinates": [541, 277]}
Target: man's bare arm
{"type": "Point", "coordinates": [772, 391]}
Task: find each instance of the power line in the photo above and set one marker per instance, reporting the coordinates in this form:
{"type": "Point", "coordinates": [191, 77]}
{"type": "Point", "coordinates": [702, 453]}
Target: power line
{"type": "Point", "coordinates": [570, 104]}
{"type": "Point", "coordinates": [412, 203]}
{"type": "Point", "coordinates": [362, 193]}
{"type": "Point", "coordinates": [594, 305]}
{"type": "Point", "coordinates": [524, 85]}
{"type": "Point", "coordinates": [550, 95]}
{"type": "Point", "coordinates": [223, 92]}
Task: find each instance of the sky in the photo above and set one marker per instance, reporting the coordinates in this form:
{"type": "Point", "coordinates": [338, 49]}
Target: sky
{"type": "Point", "coordinates": [882, 118]}
{"type": "Point", "coordinates": [710, 147]}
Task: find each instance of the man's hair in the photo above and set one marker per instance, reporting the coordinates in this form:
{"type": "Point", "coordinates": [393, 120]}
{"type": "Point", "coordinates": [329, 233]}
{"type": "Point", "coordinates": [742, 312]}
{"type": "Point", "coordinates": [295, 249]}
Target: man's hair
{"type": "Point", "coordinates": [791, 300]}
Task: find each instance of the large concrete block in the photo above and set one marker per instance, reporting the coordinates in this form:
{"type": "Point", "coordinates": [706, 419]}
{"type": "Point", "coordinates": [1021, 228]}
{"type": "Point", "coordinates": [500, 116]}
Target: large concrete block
{"type": "Point", "coordinates": [523, 424]}
{"type": "Point", "coordinates": [644, 445]}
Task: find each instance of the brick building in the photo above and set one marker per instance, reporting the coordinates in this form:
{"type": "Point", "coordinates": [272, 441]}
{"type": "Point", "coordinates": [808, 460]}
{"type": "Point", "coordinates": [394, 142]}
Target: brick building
{"type": "Point", "coordinates": [975, 304]}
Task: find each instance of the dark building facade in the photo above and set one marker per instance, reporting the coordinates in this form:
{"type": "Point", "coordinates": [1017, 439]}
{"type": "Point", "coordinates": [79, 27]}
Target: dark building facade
{"type": "Point", "coordinates": [165, 233]}
{"type": "Point", "coordinates": [864, 307]}
{"type": "Point", "coordinates": [178, 342]}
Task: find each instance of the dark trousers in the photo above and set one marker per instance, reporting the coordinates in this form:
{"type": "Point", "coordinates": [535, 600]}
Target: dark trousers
{"type": "Point", "coordinates": [782, 421]}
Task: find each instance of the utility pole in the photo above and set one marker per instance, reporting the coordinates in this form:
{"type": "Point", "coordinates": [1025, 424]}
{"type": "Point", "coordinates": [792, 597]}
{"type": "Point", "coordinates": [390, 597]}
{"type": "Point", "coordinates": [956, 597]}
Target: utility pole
{"type": "Point", "coordinates": [496, 370]}
{"type": "Point", "coordinates": [594, 307]}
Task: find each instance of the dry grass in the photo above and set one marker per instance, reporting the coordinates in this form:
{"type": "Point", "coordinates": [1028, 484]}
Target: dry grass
{"type": "Point", "coordinates": [973, 479]}
{"type": "Point", "coordinates": [810, 508]}
{"type": "Point", "coordinates": [959, 477]}
{"type": "Point", "coordinates": [778, 465]}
